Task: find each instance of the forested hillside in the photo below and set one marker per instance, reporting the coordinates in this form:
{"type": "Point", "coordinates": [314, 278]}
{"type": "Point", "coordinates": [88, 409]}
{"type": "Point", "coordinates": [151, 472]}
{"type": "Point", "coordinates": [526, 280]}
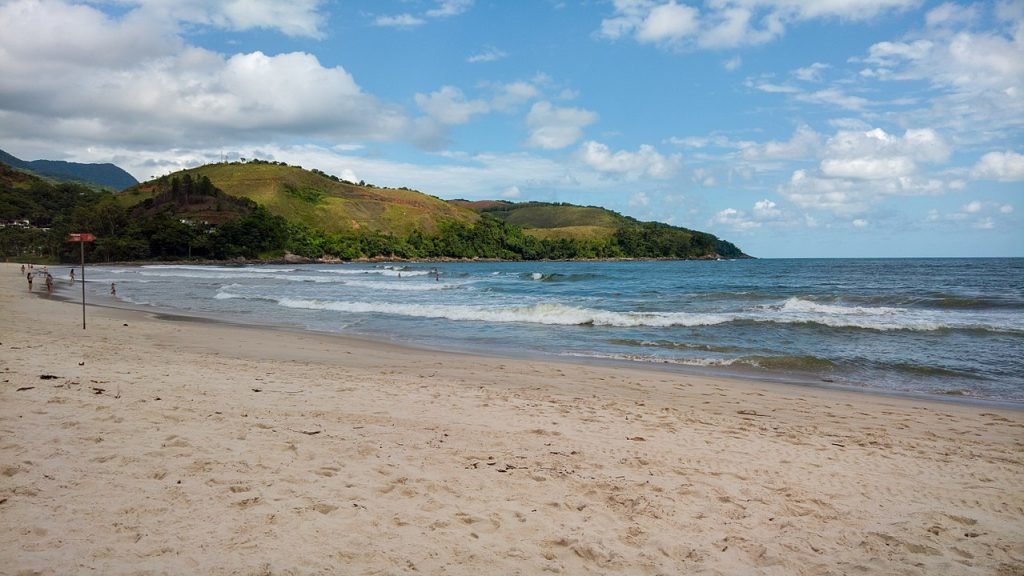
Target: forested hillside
{"type": "Point", "coordinates": [264, 210]}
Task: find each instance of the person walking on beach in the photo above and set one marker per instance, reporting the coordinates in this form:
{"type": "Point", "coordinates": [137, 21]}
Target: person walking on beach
{"type": "Point", "coordinates": [72, 275]}
{"type": "Point", "coordinates": [49, 284]}
{"type": "Point", "coordinates": [113, 289]}
{"type": "Point", "coordinates": [22, 268]}
{"type": "Point", "coordinates": [28, 276]}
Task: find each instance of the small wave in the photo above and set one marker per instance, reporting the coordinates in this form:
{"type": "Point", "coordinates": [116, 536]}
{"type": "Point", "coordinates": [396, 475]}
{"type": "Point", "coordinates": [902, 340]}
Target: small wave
{"type": "Point", "coordinates": [789, 363]}
{"type": "Point", "coordinates": [171, 267]}
{"type": "Point", "coordinates": [401, 286]}
{"type": "Point", "coordinates": [211, 275]}
{"type": "Point", "coordinates": [669, 345]}
{"type": "Point", "coordinates": [557, 277]}
{"type": "Point", "coordinates": [695, 362]}
{"type": "Point", "coordinates": [548, 314]}
{"type": "Point", "coordinates": [882, 318]}
{"type": "Point", "coordinates": [402, 273]}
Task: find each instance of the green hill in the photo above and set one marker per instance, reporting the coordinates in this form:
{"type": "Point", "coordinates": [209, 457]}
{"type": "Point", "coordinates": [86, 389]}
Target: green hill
{"type": "Point", "coordinates": [266, 210]}
{"type": "Point", "coordinates": [320, 201]}
{"type": "Point", "coordinates": [547, 221]}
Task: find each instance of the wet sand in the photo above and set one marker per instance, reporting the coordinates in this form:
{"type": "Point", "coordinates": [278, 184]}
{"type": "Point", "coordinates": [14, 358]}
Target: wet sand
{"type": "Point", "coordinates": [148, 446]}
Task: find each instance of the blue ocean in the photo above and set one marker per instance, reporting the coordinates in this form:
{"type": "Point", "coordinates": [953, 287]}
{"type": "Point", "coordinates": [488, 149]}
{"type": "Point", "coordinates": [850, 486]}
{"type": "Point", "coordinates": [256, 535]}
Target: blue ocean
{"type": "Point", "coordinates": [949, 327]}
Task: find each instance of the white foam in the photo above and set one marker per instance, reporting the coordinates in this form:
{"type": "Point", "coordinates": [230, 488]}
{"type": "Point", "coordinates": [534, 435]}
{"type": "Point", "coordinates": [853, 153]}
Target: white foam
{"type": "Point", "coordinates": [548, 314]}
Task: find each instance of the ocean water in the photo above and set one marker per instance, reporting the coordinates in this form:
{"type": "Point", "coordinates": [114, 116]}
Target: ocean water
{"type": "Point", "coordinates": [950, 327]}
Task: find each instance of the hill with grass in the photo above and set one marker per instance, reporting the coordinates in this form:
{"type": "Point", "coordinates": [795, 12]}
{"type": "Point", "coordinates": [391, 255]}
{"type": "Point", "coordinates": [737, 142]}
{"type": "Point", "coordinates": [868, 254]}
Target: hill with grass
{"type": "Point", "coordinates": [548, 221]}
{"type": "Point", "coordinates": [318, 200]}
{"type": "Point", "coordinates": [269, 210]}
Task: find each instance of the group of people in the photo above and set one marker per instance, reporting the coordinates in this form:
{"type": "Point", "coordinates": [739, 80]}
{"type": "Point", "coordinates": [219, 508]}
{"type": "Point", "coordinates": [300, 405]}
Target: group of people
{"type": "Point", "coordinates": [30, 275]}
{"type": "Point", "coordinates": [29, 271]}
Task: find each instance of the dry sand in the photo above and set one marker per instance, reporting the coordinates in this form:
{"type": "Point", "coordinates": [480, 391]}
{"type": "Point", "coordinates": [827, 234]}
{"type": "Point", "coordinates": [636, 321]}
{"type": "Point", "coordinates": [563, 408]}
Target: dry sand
{"type": "Point", "coordinates": [152, 446]}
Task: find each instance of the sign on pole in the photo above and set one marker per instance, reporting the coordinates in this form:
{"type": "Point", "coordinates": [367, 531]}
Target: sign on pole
{"type": "Point", "coordinates": [82, 238]}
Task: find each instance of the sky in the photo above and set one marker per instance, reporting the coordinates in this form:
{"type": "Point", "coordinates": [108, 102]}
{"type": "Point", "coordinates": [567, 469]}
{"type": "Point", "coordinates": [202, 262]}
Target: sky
{"type": "Point", "coordinates": [824, 128]}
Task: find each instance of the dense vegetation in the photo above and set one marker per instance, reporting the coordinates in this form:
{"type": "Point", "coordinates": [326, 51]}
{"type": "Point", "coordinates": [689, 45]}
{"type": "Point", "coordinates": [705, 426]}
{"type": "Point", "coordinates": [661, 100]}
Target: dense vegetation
{"type": "Point", "coordinates": [188, 215]}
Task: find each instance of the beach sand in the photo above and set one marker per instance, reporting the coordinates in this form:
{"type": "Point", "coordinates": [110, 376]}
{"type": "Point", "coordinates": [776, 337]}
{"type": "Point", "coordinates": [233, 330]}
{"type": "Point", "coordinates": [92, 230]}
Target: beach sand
{"type": "Point", "coordinates": [145, 445]}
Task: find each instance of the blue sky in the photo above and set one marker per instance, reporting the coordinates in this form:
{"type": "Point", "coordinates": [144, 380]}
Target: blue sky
{"type": "Point", "coordinates": [792, 128]}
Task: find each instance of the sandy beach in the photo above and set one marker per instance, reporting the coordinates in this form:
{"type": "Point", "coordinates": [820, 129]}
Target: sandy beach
{"type": "Point", "coordinates": [149, 445]}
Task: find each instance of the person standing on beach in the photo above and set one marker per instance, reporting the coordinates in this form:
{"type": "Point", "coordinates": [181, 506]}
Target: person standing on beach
{"type": "Point", "coordinates": [49, 284]}
{"type": "Point", "coordinates": [113, 289]}
{"type": "Point", "coordinates": [72, 275]}
{"type": "Point", "coordinates": [29, 278]}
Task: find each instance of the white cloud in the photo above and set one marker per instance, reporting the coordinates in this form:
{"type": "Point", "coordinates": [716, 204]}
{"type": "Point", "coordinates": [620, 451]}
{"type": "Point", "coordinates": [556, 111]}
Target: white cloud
{"type": "Point", "coordinates": [646, 161]}
{"type": "Point", "coordinates": [137, 83]}
{"type": "Point", "coordinates": [834, 97]}
{"type": "Point", "coordinates": [667, 23]}
{"type": "Point", "coordinates": [812, 192]}
{"type": "Point", "coordinates": [860, 223]}
{"type": "Point", "coordinates": [730, 23]}
{"type": "Point", "coordinates": [950, 14]}
{"type": "Point", "coordinates": [735, 219]}
{"type": "Point", "coordinates": [733, 63]}
{"type": "Point", "coordinates": [773, 88]}
{"type": "Point", "coordinates": [811, 73]}
{"type": "Point", "coordinates": [443, 9]}
{"type": "Point", "coordinates": [764, 213]}
{"type": "Point", "coordinates": [511, 193]}
{"type": "Point", "coordinates": [488, 54]}
{"type": "Point", "coordinates": [975, 74]}
{"type": "Point", "coordinates": [1003, 166]}
{"type": "Point", "coordinates": [552, 127]}
{"type": "Point", "coordinates": [639, 200]}
{"type": "Point", "coordinates": [805, 143]}
{"type": "Point", "coordinates": [449, 106]}
{"type": "Point", "coordinates": [447, 8]}
{"type": "Point", "coordinates": [875, 154]}
{"type": "Point", "coordinates": [399, 21]}
{"type": "Point", "coordinates": [766, 210]}
{"type": "Point", "coordinates": [296, 18]}
{"type": "Point", "coordinates": [986, 223]}
{"type": "Point", "coordinates": [978, 214]}
{"type": "Point", "coordinates": [511, 95]}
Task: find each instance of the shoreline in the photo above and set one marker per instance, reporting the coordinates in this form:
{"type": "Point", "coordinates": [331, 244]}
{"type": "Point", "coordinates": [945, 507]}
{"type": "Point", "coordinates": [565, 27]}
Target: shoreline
{"type": "Point", "coordinates": [143, 445]}
{"type": "Point", "coordinates": [764, 377]}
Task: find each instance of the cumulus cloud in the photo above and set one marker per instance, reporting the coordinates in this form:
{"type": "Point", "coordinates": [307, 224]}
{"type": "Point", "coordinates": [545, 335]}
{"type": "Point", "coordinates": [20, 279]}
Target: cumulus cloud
{"type": "Point", "coordinates": [875, 154]}
{"type": "Point", "coordinates": [450, 106]}
{"type": "Point", "coordinates": [976, 73]}
{"type": "Point", "coordinates": [667, 23]}
{"type": "Point", "coordinates": [552, 127]}
{"type": "Point", "coordinates": [764, 213]}
{"type": "Point", "coordinates": [735, 219]}
{"type": "Point", "coordinates": [1003, 166]}
{"type": "Point", "coordinates": [511, 193]}
{"type": "Point", "coordinates": [646, 161]}
{"type": "Point", "coordinates": [136, 82]}
{"type": "Point", "coordinates": [812, 192]}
